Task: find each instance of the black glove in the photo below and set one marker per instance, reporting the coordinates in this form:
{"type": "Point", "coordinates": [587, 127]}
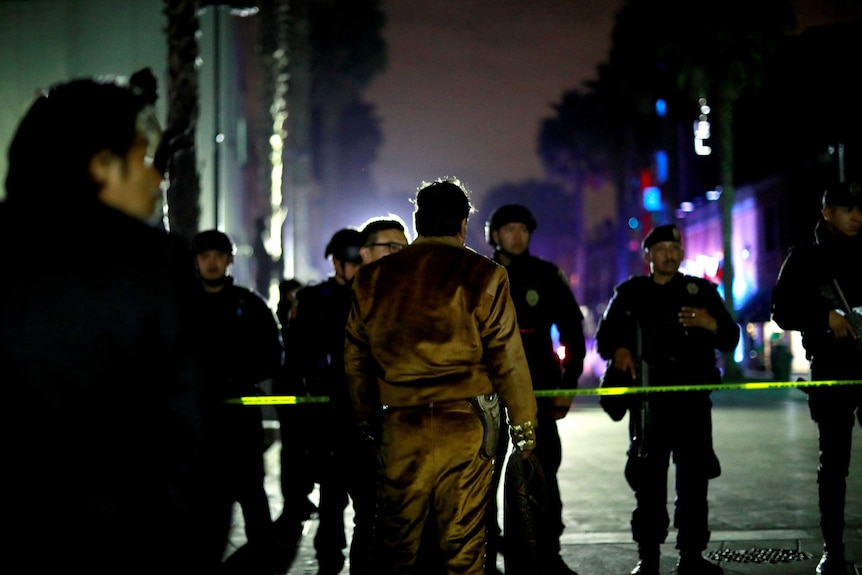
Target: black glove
{"type": "Point", "coordinates": [615, 406]}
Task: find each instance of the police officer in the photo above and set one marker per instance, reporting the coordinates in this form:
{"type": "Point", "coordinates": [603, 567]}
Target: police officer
{"type": "Point", "coordinates": [542, 299]}
{"type": "Point", "coordinates": [818, 292]}
{"type": "Point", "coordinates": [316, 436]}
{"type": "Point", "coordinates": [242, 347]}
{"type": "Point", "coordinates": [672, 323]}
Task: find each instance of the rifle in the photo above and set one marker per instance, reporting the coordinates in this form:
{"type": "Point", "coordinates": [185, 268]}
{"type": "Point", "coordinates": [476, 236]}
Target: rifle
{"type": "Point", "coordinates": [640, 419]}
{"type": "Point", "coordinates": [851, 314]}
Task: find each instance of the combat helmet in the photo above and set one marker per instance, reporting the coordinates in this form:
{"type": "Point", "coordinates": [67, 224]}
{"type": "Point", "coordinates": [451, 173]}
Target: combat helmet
{"type": "Point", "coordinates": [506, 215]}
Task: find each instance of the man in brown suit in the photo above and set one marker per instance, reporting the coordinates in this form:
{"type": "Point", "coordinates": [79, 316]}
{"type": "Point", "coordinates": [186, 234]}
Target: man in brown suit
{"type": "Point", "coordinates": [432, 332]}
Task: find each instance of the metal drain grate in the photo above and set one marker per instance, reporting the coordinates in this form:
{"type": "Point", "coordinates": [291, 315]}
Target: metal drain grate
{"type": "Point", "coordinates": [755, 555]}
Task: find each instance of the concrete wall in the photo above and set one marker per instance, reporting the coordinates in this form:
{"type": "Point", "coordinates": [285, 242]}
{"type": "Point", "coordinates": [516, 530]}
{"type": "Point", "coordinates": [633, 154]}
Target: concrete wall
{"type": "Point", "coordinates": [46, 41]}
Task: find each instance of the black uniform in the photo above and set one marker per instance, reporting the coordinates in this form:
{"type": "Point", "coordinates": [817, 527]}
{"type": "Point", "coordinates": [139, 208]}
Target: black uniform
{"type": "Point", "coordinates": [543, 298]}
{"type": "Point", "coordinates": [322, 438]}
{"type": "Point", "coordinates": [802, 299]}
{"type": "Point", "coordinates": [241, 343]}
{"type": "Point", "coordinates": [681, 422]}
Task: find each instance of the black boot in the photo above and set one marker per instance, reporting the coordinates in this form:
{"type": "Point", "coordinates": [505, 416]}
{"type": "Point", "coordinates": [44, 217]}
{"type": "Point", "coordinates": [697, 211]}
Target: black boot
{"type": "Point", "coordinates": [645, 567]}
{"type": "Point", "coordinates": [832, 562]}
{"type": "Point", "coordinates": [693, 563]}
{"type": "Point", "coordinates": [330, 565]}
{"type": "Point", "coordinates": [649, 560]}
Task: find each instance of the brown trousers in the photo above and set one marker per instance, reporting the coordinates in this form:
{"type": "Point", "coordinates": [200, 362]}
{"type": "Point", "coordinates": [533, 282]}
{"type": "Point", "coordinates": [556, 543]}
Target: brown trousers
{"type": "Point", "coordinates": [431, 471]}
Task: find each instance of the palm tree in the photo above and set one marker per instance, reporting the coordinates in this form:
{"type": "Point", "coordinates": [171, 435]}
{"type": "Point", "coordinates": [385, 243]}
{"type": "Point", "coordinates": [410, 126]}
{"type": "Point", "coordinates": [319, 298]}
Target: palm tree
{"type": "Point", "coordinates": [724, 58]}
{"type": "Point", "coordinates": [184, 190]}
{"type": "Point", "coordinates": [721, 54]}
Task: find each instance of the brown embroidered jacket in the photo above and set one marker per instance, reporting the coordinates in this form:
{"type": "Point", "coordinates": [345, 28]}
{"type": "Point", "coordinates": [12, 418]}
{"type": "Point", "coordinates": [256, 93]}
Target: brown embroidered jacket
{"type": "Point", "coordinates": [435, 322]}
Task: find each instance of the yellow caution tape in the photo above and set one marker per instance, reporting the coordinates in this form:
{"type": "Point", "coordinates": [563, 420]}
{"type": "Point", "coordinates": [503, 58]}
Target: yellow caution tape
{"type": "Point", "coordinates": [278, 399]}
{"type": "Point", "coordinates": [707, 387]}
{"type": "Point", "coordinates": [295, 399]}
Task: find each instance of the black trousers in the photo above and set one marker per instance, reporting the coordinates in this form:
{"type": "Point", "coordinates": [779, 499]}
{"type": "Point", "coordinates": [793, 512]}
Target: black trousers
{"type": "Point", "coordinates": [680, 431]}
{"type": "Point", "coordinates": [836, 412]}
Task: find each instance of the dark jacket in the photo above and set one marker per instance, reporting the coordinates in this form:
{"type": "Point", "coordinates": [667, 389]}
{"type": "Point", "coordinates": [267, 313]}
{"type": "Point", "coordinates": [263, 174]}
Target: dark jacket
{"type": "Point", "coordinates": [675, 354]}
{"type": "Point", "coordinates": [804, 295]}
{"type": "Point", "coordinates": [240, 337]}
{"type": "Point", "coordinates": [315, 338]}
{"type": "Point", "coordinates": [543, 298]}
{"type": "Point", "coordinates": [102, 428]}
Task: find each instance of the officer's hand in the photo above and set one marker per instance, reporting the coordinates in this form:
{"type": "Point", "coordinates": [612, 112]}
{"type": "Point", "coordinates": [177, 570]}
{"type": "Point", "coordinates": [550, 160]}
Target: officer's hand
{"type": "Point", "coordinates": [840, 325]}
{"type": "Point", "coordinates": [697, 317]}
{"type": "Point", "coordinates": [623, 361]}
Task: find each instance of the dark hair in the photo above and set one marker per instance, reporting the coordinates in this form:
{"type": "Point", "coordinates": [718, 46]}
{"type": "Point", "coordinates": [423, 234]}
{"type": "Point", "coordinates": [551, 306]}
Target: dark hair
{"type": "Point", "coordinates": [373, 227]}
{"type": "Point", "coordinates": [344, 245]}
{"type": "Point", "coordinates": [212, 240]}
{"type": "Point", "coordinates": [288, 285]}
{"type": "Point", "coordinates": [66, 126]}
{"type": "Point", "coordinates": [441, 206]}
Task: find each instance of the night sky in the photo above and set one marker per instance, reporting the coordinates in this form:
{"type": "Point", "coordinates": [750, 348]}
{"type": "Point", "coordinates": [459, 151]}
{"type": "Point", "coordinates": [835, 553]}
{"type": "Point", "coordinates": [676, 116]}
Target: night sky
{"type": "Point", "coordinates": [469, 81]}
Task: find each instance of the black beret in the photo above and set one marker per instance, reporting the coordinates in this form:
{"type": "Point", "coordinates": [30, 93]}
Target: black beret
{"type": "Point", "coordinates": [668, 233]}
{"type": "Point", "coordinates": [845, 194]}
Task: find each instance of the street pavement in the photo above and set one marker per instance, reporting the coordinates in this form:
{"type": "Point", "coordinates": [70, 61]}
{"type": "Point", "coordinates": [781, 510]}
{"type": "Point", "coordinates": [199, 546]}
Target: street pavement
{"type": "Point", "coordinates": [763, 507]}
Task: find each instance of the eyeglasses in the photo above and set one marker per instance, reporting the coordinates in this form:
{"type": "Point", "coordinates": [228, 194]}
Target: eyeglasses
{"type": "Point", "coordinates": [393, 247]}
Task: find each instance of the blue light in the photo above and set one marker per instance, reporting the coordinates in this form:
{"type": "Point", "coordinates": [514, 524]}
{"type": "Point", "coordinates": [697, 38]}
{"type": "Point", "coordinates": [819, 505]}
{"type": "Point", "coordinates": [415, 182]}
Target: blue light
{"type": "Point", "coordinates": [633, 223]}
{"type": "Point", "coordinates": [652, 198]}
{"type": "Point", "coordinates": [661, 166]}
{"type": "Point", "coordinates": [661, 108]}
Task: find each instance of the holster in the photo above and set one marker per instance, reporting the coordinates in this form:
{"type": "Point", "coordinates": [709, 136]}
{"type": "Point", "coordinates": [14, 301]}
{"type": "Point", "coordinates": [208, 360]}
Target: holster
{"type": "Point", "coordinates": [855, 320]}
{"type": "Point", "coordinates": [488, 409]}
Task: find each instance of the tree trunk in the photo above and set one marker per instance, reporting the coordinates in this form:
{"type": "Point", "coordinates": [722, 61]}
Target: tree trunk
{"type": "Point", "coordinates": [184, 190]}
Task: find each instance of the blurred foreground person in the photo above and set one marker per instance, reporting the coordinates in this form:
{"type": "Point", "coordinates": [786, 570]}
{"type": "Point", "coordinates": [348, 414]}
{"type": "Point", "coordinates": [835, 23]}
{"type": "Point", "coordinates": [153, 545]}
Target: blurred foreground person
{"type": "Point", "coordinates": [102, 413]}
{"type": "Point", "coordinates": [542, 299]}
{"type": "Point", "coordinates": [432, 338]}
{"type": "Point", "coordinates": [241, 344]}
{"type": "Point", "coordinates": [664, 329]}
{"type": "Point", "coordinates": [819, 293]}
